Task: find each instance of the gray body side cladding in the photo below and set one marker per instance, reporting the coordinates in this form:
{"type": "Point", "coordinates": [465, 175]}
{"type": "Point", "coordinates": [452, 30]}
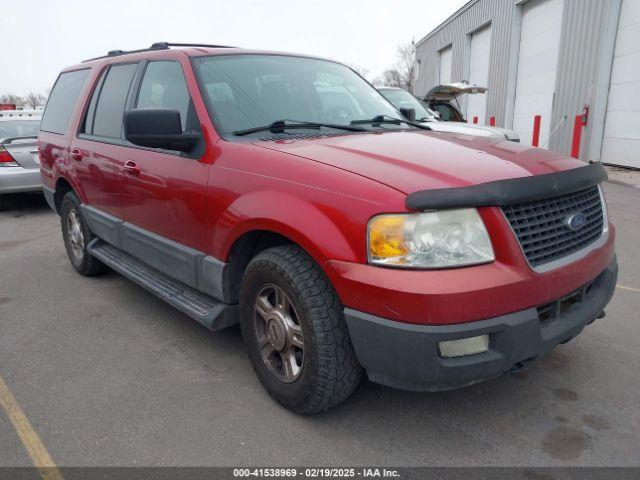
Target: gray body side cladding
{"type": "Point", "coordinates": [191, 267]}
{"type": "Point", "coordinates": [49, 197]}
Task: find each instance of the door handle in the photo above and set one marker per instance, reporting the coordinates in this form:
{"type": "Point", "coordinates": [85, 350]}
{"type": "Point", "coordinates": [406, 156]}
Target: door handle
{"type": "Point", "coordinates": [131, 167]}
{"type": "Point", "coordinates": [76, 154]}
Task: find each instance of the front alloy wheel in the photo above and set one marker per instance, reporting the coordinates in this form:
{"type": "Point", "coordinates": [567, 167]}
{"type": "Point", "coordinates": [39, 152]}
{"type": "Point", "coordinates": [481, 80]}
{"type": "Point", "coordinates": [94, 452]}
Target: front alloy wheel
{"type": "Point", "coordinates": [294, 328]}
{"type": "Point", "coordinates": [279, 333]}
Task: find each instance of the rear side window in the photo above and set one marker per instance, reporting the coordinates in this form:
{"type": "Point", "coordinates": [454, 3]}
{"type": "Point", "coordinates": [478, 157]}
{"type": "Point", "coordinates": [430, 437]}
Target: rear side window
{"type": "Point", "coordinates": [62, 101]}
{"type": "Point", "coordinates": [104, 117]}
{"type": "Point", "coordinates": [164, 86]}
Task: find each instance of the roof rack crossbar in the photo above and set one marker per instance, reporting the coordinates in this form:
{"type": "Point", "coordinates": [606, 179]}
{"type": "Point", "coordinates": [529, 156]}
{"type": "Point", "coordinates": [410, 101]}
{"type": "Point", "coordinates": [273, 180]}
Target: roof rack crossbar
{"type": "Point", "coordinates": [155, 46]}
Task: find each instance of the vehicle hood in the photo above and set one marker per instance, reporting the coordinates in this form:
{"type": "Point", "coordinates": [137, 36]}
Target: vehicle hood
{"type": "Point", "coordinates": [473, 129]}
{"type": "Point", "coordinates": [464, 128]}
{"type": "Point", "coordinates": [409, 161]}
{"type": "Point", "coordinates": [451, 90]}
{"type": "Point", "coordinates": [509, 134]}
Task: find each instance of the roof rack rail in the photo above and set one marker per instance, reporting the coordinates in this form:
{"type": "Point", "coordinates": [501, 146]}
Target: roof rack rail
{"type": "Point", "coordinates": [116, 53]}
{"type": "Point", "coordinates": [155, 46]}
{"type": "Point", "coordinates": [171, 44]}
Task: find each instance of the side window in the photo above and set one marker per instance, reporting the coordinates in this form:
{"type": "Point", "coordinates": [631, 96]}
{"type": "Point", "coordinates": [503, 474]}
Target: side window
{"type": "Point", "coordinates": [62, 101]}
{"type": "Point", "coordinates": [108, 109]}
{"type": "Point", "coordinates": [164, 86]}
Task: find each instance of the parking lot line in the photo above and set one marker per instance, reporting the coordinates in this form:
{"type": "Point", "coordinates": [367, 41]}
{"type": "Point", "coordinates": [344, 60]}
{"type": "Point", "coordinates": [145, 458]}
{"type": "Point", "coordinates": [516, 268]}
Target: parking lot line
{"type": "Point", "coordinates": [30, 439]}
{"type": "Point", "coordinates": [631, 289]}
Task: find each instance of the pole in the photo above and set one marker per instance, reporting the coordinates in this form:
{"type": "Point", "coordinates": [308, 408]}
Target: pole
{"type": "Point", "coordinates": [577, 132]}
{"type": "Point", "coordinates": [535, 141]}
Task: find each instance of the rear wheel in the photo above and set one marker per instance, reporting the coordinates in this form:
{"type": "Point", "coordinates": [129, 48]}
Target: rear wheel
{"type": "Point", "coordinates": [77, 235]}
{"type": "Point", "coordinates": [295, 332]}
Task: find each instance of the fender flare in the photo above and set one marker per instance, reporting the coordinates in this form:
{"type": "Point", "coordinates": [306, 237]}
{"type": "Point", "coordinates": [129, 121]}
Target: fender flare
{"type": "Point", "coordinates": [281, 213]}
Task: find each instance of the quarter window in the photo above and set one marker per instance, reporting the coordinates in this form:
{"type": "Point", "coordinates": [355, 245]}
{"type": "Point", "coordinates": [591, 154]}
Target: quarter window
{"type": "Point", "coordinates": [62, 100]}
{"type": "Point", "coordinates": [164, 86]}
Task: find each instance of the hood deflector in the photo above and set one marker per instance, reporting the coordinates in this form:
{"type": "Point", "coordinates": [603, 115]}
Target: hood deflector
{"type": "Point", "coordinates": [509, 192]}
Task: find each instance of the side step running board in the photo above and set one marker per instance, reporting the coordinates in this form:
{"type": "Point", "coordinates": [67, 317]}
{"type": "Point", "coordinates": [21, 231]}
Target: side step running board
{"type": "Point", "coordinates": [205, 310]}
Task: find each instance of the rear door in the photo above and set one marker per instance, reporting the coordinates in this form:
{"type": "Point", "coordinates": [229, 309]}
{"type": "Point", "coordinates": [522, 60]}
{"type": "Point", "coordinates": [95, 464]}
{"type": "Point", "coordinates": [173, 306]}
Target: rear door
{"type": "Point", "coordinates": [97, 153]}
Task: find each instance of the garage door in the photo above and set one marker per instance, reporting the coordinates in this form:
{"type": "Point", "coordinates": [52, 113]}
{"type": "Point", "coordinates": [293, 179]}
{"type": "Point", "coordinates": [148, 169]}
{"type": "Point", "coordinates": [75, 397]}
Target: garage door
{"type": "Point", "coordinates": [479, 72]}
{"type": "Point", "coordinates": [537, 65]}
{"type": "Point", "coordinates": [621, 142]}
{"type": "Point", "coordinates": [445, 65]}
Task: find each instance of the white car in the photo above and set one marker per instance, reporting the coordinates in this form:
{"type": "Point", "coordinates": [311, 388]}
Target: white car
{"type": "Point", "coordinates": [401, 98]}
{"type": "Point", "coordinates": [444, 100]}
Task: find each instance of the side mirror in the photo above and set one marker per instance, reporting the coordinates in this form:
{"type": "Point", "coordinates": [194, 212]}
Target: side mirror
{"type": "Point", "coordinates": [158, 128]}
{"type": "Point", "coordinates": [409, 114]}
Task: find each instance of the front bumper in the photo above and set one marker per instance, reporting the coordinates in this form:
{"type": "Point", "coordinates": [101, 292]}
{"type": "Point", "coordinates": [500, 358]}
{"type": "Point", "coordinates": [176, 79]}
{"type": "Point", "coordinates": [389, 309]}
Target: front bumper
{"type": "Point", "coordinates": [18, 179]}
{"type": "Point", "coordinates": [406, 356]}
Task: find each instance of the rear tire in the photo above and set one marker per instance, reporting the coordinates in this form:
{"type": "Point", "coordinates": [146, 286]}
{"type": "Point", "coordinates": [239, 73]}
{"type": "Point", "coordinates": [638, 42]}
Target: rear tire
{"type": "Point", "coordinates": [294, 329]}
{"type": "Point", "coordinates": [77, 235]}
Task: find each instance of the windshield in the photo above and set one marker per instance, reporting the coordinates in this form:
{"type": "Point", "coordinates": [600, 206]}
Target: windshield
{"type": "Point", "coordinates": [403, 99]}
{"type": "Point", "coordinates": [19, 128]}
{"type": "Point", "coordinates": [249, 91]}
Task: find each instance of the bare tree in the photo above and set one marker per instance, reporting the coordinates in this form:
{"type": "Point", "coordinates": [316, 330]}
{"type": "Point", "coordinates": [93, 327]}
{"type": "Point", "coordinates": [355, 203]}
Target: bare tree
{"type": "Point", "coordinates": [363, 72]}
{"type": "Point", "coordinates": [407, 64]}
{"type": "Point", "coordinates": [392, 78]}
{"type": "Point", "coordinates": [403, 74]}
{"type": "Point", "coordinates": [34, 99]}
{"type": "Point", "coordinates": [11, 99]}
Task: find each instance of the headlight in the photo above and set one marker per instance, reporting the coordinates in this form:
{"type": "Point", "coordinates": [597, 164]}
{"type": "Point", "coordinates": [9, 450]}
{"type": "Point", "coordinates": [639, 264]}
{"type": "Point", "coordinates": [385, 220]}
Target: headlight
{"type": "Point", "coordinates": [447, 238]}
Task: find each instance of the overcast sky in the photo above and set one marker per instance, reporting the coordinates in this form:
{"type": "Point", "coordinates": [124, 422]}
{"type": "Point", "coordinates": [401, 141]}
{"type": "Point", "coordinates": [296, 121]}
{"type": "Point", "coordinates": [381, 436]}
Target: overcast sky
{"type": "Point", "coordinates": [39, 38]}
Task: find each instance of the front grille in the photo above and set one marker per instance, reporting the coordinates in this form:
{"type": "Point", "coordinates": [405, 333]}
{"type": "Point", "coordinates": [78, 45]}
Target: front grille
{"type": "Point", "coordinates": [541, 225]}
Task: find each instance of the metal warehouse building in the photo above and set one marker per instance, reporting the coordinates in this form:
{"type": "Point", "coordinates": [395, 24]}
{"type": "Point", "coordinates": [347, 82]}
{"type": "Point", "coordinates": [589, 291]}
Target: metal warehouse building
{"type": "Point", "coordinates": [554, 58]}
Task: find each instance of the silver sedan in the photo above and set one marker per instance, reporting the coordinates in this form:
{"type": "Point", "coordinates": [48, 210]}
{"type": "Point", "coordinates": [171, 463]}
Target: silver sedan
{"type": "Point", "coordinates": [19, 163]}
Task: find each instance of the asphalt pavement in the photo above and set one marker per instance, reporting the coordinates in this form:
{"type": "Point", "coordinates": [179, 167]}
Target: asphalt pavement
{"type": "Point", "coordinates": [109, 375]}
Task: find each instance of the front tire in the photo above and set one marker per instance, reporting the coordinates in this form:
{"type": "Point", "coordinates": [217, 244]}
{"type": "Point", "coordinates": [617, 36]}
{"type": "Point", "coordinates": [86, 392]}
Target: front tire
{"type": "Point", "coordinates": [77, 235]}
{"type": "Point", "coordinates": [295, 332]}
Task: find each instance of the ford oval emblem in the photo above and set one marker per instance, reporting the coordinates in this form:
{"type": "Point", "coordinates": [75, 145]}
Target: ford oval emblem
{"type": "Point", "coordinates": [575, 221]}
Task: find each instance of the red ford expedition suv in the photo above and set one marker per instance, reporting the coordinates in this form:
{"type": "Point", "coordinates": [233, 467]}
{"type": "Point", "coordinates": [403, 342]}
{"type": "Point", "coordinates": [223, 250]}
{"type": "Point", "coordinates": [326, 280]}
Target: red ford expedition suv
{"type": "Point", "coordinates": [285, 193]}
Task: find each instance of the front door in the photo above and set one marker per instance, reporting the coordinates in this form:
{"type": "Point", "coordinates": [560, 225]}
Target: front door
{"type": "Point", "coordinates": [165, 190]}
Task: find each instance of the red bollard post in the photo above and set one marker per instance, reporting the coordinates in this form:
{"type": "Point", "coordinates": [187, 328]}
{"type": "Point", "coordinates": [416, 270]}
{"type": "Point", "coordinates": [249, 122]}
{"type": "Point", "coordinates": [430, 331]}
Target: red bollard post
{"type": "Point", "coordinates": [577, 133]}
{"type": "Point", "coordinates": [535, 141]}
{"type": "Point", "coordinates": [492, 121]}
{"type": "Point", "coordinates": [475, 119]}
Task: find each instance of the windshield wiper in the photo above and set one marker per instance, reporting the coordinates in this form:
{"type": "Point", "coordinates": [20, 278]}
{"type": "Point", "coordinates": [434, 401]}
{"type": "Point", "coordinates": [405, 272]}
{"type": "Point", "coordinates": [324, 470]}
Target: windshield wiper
{"type": "Point", "coordinates": [280, 126]}
{"type": "Point", "coordinates": [381, 119]}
